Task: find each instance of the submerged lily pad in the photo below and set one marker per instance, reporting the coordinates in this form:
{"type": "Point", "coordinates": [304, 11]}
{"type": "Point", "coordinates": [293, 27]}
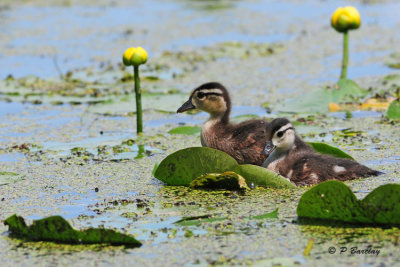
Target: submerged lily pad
{"type": "Point", "coordinates": [226, 180]}
{"type": "Point", "coordinates": [329, 150]}
{"type": "Point", "coordinates": [57, 229]}
{"type": "Point", "coordinates": [188, 130]}
{"type": "Point", "coordinates": [9, 177]}
{"type": "Point", "coordinates": [334, 201]}
{"type": "Point", "coordinates": [393, 111]}
{"type": "Point", "coordinates": [183, 166]}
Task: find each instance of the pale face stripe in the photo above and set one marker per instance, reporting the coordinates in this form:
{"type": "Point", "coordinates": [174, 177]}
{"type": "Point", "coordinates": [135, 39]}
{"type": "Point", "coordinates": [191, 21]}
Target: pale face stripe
{"type": "Point", "coordinates": [213, 91]}
{"type": "Point", "coordinates": [283, 128]}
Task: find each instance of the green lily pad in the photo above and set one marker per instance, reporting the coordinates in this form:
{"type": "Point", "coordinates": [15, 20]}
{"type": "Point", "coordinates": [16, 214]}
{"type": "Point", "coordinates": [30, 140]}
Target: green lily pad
{"type": "Point", "coordinates": [270, 215]}
{"type": "Point", "coordinates": [57, 229]}
{"type": "Point", "coordinates": [393, 111]}
{"type": "Point", "coordinates": [9, 178]}
{"type": "Point", "coordinates": [329, 150]}
{"type": "Point", "coordinates": [317, 101]}
{"type": "Point", "coordinates": [226, 180]}
{"type": "Point", "coordinates": [263, 177]}
{"type": "Point", "coordinates": [188, 130]}
{"type": "Point", "coordinates": [183, 166]}
{"type": "Point", "coordinates": [334, 201]}
{"type": "Point", "coordinates": [197, 220]}
{"type": "Point", "coordinates": [383, 204]}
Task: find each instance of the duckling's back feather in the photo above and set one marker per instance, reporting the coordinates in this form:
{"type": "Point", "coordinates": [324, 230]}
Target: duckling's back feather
{"type": "Point", "coordinates": [244, 141]}
{"type": "Point", "coordinates": [312, 168]}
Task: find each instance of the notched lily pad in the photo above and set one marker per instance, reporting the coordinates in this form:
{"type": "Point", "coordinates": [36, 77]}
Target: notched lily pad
{"type": "Point", "coordinates": [57, 229]}
{"type": "Point", "coordinates": [334, 201]}
{"type": "Point", "coordinates": [383, 204]}
{"type": "Point", "coordinates": [226, 180]}
{"type": "Point", "coordinates": [183, 166]}
{"type": "Point", "coordinates": [329, 150]}
{"type": "Point", "coordinates": [188, 130]}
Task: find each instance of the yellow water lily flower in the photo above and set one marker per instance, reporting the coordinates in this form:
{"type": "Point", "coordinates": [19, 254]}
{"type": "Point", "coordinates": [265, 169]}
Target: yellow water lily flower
{"type": "Point", "coordinates": [346, 18]}
{"type": "Point", "coordinates": [134, 56]}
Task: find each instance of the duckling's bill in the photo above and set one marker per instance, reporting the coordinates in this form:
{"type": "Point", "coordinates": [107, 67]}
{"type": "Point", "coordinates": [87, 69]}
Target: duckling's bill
{"type": "Point", "coordinates": [188, 105]}
{"type": "Point", "coordinates": [269, 148]}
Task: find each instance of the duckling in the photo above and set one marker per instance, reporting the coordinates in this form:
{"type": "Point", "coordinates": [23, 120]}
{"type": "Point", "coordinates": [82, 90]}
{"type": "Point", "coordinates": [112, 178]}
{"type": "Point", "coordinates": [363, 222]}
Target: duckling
{"type": "Point", "coordinates": [244, 141]}
{"type": "Point", "coordinates": [292, 158]}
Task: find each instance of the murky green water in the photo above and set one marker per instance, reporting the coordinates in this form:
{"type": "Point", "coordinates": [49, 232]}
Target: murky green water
{"type": "Point", "coordinates": [77, 162]}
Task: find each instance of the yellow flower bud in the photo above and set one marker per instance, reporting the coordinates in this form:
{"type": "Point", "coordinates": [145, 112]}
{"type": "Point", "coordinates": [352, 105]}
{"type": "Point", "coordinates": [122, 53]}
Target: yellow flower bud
{"type": "Point", "coordinates": [134, 56]}
{"type": "Point", "coordinates": [344, 19]}
{"type": "Point", "coordinates": [126, 57]}
{"type": "Point", "coordinates": [139, 56]}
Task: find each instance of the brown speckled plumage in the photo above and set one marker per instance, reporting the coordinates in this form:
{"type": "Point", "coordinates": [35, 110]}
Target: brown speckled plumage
{"type": "Point", "coordinates": [303, 166]}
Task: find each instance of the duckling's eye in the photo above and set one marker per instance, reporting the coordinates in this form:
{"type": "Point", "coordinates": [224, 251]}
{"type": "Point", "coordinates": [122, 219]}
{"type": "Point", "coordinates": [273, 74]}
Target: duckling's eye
{"type": "Point", "coordinates": [200, 95]}
{"type": "Point", "coordinates": [280, 134]}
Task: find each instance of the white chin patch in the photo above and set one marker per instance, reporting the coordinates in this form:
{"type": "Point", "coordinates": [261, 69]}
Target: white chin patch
{"type": "Point", "coordinates": [314, 177]}
{"type": "Point", "coordinates": [338, 169]}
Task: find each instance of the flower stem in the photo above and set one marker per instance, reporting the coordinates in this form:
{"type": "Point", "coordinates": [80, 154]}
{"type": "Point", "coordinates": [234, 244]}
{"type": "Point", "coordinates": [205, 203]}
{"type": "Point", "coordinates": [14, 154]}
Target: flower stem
{"type": "Point", "coordinates": [138, 94]}
{"type": "Point", "coordinates": [345, 59]}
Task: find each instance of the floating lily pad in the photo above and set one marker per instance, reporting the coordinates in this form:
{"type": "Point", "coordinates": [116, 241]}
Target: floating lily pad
{"type": "Point", "coordinates": [263, 177]}
{"type": "Point", "coordinates": [270, 215]}
{"type": "Point", "coordinates": [183, 166]}
{"type": "Point", "coordinates": [57, 229]}
{"type": "Point", "coordinates": [393, 111]}
{"type": "Point", "coordinates": [197, 220]}
{"type": "Point", "coordinates": [188, 130]}
{"type": "Point", "coordinates": [318, 100]}
{"type": "Point", "coordinates": [9, 178]}
{"type": "Point", "coordinates": [334, 201]}
{"type": "Point", "coordinates": [383, 204]}
{"type": "Point", "coordinates": [226, 180]}
{"type": "Point", "coordinates": [329, 150]}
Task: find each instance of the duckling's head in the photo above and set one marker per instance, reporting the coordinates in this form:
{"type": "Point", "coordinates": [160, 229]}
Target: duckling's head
{"type": "Point", "coordinates": [210, 97]}
{"type": "Point", "coordinates": [282, 135]}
